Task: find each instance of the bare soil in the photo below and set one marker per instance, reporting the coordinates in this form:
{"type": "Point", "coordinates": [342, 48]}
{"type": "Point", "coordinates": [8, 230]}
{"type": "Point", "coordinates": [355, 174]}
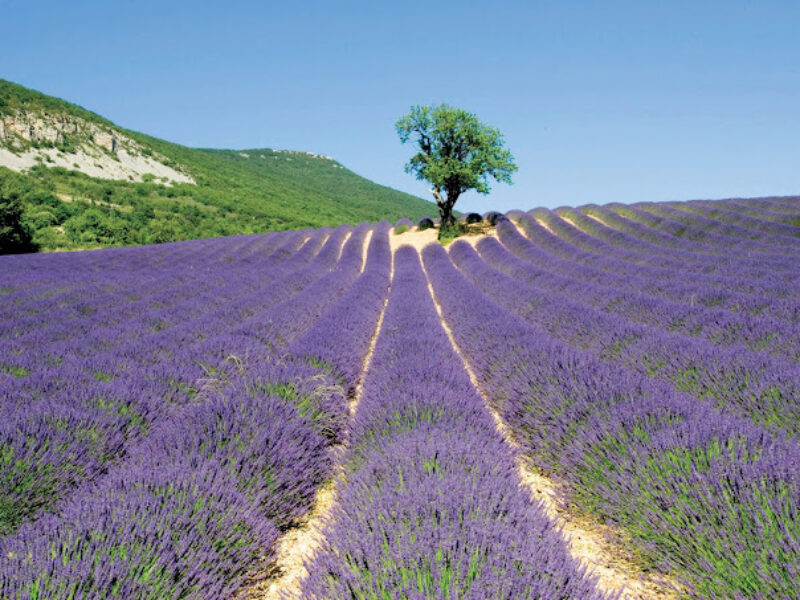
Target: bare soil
{"type": "Point", "coordinates": [413, 237]}
{"type": "Point", "coordinates": [545, 225]}
{"type": "Point", "coordinates": [419, 239]}
{"type": "Point", "coordinates": [598, 219]}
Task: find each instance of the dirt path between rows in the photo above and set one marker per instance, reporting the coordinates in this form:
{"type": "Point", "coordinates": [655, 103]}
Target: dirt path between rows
{"type": "Point", "coordinates": [543, 223]}
{"type": "Point", "coordinates": [568, 219]}
{"type": "Point", "coordinates": [367, 240]}
{"type": "Point", "coordinates": [586, 541]}
{"type": "Point", "coordinates": [598, 219]}
{"type": "Point", "coordinates": [283, 579]}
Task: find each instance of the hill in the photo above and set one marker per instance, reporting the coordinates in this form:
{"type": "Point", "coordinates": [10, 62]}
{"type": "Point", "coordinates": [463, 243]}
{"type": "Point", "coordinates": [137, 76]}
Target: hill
{"type": "Point", "coordinates": [86, 182]}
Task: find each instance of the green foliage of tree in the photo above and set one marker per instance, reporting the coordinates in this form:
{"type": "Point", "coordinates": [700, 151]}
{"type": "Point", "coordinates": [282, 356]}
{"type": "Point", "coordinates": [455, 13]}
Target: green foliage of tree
{"type": "Point", "coordinates": [41, 219]}
{"type": "Point", "coordinates": [15, 236]}
{"type": "Point", "coordinates": [456, 153]}
{"type": "Point", "coordinates": [96, 226]}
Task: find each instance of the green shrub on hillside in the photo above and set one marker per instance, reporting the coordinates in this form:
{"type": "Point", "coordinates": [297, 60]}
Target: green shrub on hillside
{"type": "Point", "coordinates": [15, 236]}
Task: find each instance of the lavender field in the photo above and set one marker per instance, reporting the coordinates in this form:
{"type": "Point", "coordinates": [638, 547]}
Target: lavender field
{"type": "Point", "coordinates": [170, 415]}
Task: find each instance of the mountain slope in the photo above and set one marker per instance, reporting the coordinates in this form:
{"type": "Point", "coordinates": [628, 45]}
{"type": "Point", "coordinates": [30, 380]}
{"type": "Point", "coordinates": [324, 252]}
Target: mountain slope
{"type": "Point", "coordinates": [86, 182]}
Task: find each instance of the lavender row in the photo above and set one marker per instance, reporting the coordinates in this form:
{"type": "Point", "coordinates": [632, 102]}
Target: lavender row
{"type": "Point", "coordinates": [716, 325]}
{"type": "Point", "coordinates": [786, 207]}
{"type": "Point", "coordinates": [339, 339]}
{"type": "Point", "coordinates": [777, 233]}
{"type": "Point", "coordinates": [710, 498]}
{"type": "Point", "coordinates": [670, 232]}
{"type": "Point", "coordinates": [38, 269]}
{"type": "Point", "coordinates": [431, 507]}
{"type": "Point", "coordinates": [621, 218]}
{"type": "Point", "coordinates": [287, 309]}
{"type": "Point", "coordinates": [789, 203]}
{"type": "Point", "coordinates": [144, 337]}
{"type": "Point", "coordinates": [190, 513]}
{"type": "Point", "coordinates": [728, 264]}
{"type": "Point", "coordinates": [29, 277]}
{"type": "Point", "coordinates": [557, 236]}
{"type": "Point", "coordinates": [714, 226]}
{"type": "Point", "coordinates": [403, 225]}
{"type": "Point", "coordinates": [142, 381]}
{"type": "Point", "coordinates": [695, 228]}
{"type": "Point", "coordinates": [119, 296]}
{"type": "Point", "coordinates": [210, 318]}
{"type": "Point", "coordinates": [660, 283]}
{"type": "Point", "coordinates": [593, 237]}
{"type": "Point", "coordinates": [293, 315]}
{"type": "Point", "coordinates": [739, 381]}
{"type": "Point", "coordinates": [752, 280]}
{"type": "Point", "coordinates": [767, 211]}
{"type": "Point", "coordinates": [698, 226]}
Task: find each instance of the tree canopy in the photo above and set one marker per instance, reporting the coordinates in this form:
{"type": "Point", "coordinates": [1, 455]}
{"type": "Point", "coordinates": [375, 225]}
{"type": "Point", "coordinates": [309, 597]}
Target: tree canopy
{"type": "Point", "coordinates": [15, 236]}
{"type": "Point", "coordinates": [456, 153]}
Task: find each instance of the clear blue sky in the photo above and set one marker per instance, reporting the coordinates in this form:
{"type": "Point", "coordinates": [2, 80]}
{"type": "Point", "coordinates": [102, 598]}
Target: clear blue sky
{"type": "Point", "coordinates": [598, 101]}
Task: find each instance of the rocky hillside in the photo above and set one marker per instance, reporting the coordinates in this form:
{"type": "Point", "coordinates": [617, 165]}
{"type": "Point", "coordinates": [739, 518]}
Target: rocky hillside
{"type": "Point", "coordinates": [56, 139]}
{"type": "Point", "coordinates": [85, 182]}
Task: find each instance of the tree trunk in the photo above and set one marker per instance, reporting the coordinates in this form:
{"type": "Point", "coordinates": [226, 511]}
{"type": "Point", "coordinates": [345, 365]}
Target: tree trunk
{"type": "Point", "coordinates": [446, 213]}
{"type": "Point", "coordinates": [445, 207]}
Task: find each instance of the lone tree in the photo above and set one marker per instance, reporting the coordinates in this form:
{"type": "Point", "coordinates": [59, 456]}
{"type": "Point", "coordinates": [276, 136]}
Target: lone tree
{"type": "Point", "coordinates": [456, 153]}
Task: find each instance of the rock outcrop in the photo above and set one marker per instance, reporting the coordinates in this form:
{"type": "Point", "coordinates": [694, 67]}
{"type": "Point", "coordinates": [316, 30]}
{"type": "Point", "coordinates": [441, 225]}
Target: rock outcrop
{"type": "Point", "coordinates": [71, 142]}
